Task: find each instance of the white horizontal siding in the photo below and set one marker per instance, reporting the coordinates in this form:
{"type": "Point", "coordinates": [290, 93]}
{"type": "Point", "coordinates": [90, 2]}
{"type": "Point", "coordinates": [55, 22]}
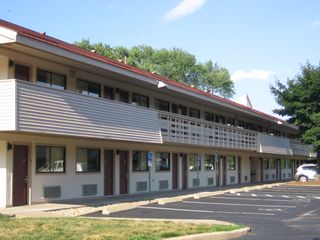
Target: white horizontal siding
{"type": "Point", "coordinates": [272, 144]}
{"type": "Point", "coordinates": [7, 105]}
{"type": "Point", "coordinates": [47, 110]}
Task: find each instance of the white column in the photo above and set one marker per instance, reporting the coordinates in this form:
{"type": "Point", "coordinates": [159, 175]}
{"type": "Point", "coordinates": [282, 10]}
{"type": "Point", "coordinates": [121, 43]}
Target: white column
{"type": "Point", "coordinates": [3, 174]}
{"type": "Point", "coordinates": [180, 172]}
{"type": "Point", "coordinates": [116, 174]}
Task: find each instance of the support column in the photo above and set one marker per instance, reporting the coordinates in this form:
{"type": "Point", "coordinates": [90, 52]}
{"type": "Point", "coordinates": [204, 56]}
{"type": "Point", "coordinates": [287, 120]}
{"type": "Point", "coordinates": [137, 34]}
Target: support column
{"type": "Point", "coordinates": [3, 174]}
{"type": "Point", "coordinates": [4, 67]}
{"type": "Point", "coordinates": [116, 173]}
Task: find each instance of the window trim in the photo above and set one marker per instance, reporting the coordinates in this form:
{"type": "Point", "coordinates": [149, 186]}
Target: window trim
{"type": "Point", "coordinates": [88, 148]}
{"type": "Point", "coordinates": [50, 84]}
{"type": "Point", "coordinates": [205, 161]}
{"type": "Point", "coordinates": [88, 84]}
{"type": "Point", "coordinates": [52, 146]}
{"type": "Point", "coordinates": [137, 103]}
{"type": "Point", "coordinates": [195, 164]}
{"type": "Point", "coordinates": [135, 170]}
{"type": "Point", "coordinates": [235, 163]}
{"type": "Point", "coordinates": [155, 162]}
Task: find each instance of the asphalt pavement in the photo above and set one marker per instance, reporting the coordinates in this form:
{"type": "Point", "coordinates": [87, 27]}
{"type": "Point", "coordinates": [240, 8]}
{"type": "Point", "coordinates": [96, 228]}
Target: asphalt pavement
{"type": "Point", "coordinates": [283, 212]}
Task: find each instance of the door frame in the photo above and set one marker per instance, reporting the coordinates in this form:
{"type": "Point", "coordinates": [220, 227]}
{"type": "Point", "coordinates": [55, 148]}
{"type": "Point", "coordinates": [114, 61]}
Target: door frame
{"type": "Point", "coordinates": [28, 175]}
{"type": "Point", "coordinates": [175, 174]}
{"type": "Point", "coordinates": [184, 171]}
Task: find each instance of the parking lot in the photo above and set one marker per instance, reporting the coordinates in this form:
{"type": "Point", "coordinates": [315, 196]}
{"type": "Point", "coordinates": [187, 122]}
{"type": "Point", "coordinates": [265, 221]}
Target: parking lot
{"type": "Point", "coordinates": [284, 212]}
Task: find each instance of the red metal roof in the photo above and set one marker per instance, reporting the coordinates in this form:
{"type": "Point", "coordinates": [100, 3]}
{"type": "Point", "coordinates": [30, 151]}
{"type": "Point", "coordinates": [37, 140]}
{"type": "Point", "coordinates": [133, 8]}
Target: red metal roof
{"type": "Point", "coordinates": [42, 37]}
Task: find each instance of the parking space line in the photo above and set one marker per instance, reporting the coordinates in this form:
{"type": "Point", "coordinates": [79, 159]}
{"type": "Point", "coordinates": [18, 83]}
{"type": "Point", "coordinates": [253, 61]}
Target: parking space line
{"type": "Point", "coordinates": [205, 211]}
{"type": "Point", "coordinates": [268, 195]}
{"type": "Point", "coordinates": [301, 197]}
{"type": "Point", "coordinates": [238, 204]}
{"type": "Point", "coordinates": [285, 196]}
{"type": "Point", "coordinates": [254, 195]}
{"type": "Point", "coordinates": [261, 199]}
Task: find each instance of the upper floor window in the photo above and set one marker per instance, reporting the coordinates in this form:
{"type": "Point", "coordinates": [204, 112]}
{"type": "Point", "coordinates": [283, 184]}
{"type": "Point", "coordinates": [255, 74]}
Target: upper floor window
{"type": "Point", "coordinates": [123, 95]}
{"type": "Point", "coordinates": [51, 79]}
{"type": "Point", "coordinates": [50, 159]}
{"type": "Point", "coordinates": [231, 122]}
{"type": "Point", "coordinates": [195, 113]}
{"type": "Point", "coordinates": [108, 93]}
{"type": "Point", "coordinates": [183, 110]}
{"type": "Point", "coordinates": [209, 116]}
{"type": "Point", "coordinates": [88, 88]}
{"type": "Point", "coordinates": [162, 161]}
{"type": "Point", "coordinates": [88, 160]}
{"type": "Point", "coordinates": [139, 161]}
{"type": "Point", "coordinates": [174, 108]}
{"type": "Point", "coordinates": [231, 161]}
{"type": "Point", "coordinates": [162, 105]}
{"type": "Point", "coordinates": [140, 100]}
{"type": "Point", "coordinates": [21, 72]}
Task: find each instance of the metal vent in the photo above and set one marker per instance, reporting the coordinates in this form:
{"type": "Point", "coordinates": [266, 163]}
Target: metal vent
{"type": "Point", "coordinates": [195, 182]}
{"type": "Point", "coordinates": [89, 189]}
{"type": "Point", "coordinates": [232, 179]}
{"type": "Point", "coordinates": [210, 181]}
{"type": "Point", "coordinates": [266, 176]}
{"type": "Point", "coordinates": [52, 192]}
{"type": "Point", "coordinates": [163, 184]}
{"type": "Point", "coordinates": [141, 186]}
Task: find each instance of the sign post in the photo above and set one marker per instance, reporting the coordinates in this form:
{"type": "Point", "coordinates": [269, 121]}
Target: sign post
{"type": "Point", "coordinates": [149, 166]}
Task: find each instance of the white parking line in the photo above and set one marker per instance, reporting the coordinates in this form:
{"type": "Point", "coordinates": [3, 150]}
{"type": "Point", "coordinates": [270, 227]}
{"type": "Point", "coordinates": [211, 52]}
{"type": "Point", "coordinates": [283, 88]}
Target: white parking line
{"type": "Point", "coordinates": [254, 195]}
{"type": "Point", "coordinates": [301, 197]}
{"type": "Point", "coordinates": [205, 211]}
{"type": "Point", "coordinates": [268, 195]}
{"type": "Point", "coordinates": [238, 204]}
{"type": "Point", "coordinates": [285, 196]}
{"type": "Point", "coordinates": [316, 197]}
{"type": "Point", "coordinates": [238, 194]}
{"type": "Point", "coordinates": [261, 199]}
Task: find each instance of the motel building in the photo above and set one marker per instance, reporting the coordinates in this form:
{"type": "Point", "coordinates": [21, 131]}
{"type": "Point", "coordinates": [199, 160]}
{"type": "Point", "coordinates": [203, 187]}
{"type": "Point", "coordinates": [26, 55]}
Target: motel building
{"type": "Point", "coordinates": [74, 124]}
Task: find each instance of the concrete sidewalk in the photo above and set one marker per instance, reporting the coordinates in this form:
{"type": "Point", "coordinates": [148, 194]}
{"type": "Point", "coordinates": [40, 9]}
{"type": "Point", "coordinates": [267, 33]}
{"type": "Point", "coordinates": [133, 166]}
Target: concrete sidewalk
{"type": "Point", "coordinates": [78, 207]}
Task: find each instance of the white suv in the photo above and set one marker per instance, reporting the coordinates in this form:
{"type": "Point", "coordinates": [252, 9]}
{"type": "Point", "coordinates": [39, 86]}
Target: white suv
{"type": "Point", "coordinates": [307, 172]}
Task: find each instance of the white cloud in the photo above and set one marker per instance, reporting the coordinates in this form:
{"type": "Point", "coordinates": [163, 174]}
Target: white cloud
{"type": "Point", "coordinates": [183, 8]}
{"type": "Point", "coordinates": [315, 24]}
{"type": "Point", "coordinates": [256, 74]}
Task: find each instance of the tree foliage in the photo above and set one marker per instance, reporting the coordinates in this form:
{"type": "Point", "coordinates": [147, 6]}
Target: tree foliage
{"type": "Point", "coordinates": [175, 64]}
{"type": "Point", "coordinates": [300, 100]}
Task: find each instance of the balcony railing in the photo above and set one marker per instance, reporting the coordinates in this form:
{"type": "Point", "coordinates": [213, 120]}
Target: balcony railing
{"type": "Point", "coordinates": [301, 149]}
{"type": "Point", "coordinates": [185, 130]}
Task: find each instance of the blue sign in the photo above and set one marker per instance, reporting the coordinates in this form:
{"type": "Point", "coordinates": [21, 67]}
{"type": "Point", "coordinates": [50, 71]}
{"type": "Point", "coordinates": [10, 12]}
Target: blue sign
{"type": "Point", "coordinates": [149, 159]}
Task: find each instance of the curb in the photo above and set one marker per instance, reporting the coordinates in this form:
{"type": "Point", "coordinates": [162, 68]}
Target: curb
{"type": "Point", "coordinates": [215, 235]}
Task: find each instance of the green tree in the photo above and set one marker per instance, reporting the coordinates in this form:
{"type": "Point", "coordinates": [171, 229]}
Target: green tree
{"type": "Point", "coordinates": [175, 64]}
{"type": "Point", "coordinates": [300, 101]}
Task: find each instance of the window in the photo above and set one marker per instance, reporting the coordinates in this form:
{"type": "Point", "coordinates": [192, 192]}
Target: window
{"type": "Point", "coordinates": [231, 122]}
{"type": "Point", "coordinates": [140, 100]}
{"type": "Point", "coordinates": [194, 162]}
{"type": "Point", "coordinates": [162, 161]}
{"type": "Point", "coordinates": [174, 108]}
{"type": "Point", "coordinates": [265, 163]}
{"type": "Point", "coordinates": [162, 105]}
{"type": "Point", "coordinates": [50, 159]}
{"type": "Point", "coordinates": [88, 160]}
{"type": "Point", "coordinates": [108, 93]}
{"type": "Point", "coordinates": [139, 161]}
{"type": "Point", "coordinates": [209, 116]}
{"type": "Point", "coordinates": [51, 79]}
{"type": "Point", "coordinates": [289, 163]}
{"type": "Point", "coordinates": [88, 88]}
{"type": "Point", "coordinates": [195, 113]}
{"type": "Point", "coordinates": [272, 163]}
{"type": "Point", "coordinates": [283, 164]}
{"type": "Point", "coordinates": [231, 160]}
{"type": "Point", "coordinates": [209, 163]}
{"type": "Point", "coordinates": [123, 96]}
{"type": "Point", "coordinates": [183, 110]}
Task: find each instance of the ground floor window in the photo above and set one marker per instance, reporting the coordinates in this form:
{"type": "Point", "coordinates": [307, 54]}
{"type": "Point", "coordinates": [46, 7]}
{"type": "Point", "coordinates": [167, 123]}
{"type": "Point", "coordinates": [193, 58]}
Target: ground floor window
{"type": "Point", "coordinates": [265, 163]}
{"type": "Point", "coordinates": [272, 163]}
{"type": "Point", "coordinates": [139, 161]}
{"type": "Point", "coordinates": [283, 164]}
{"type": "Point", "coordinates": [88, 160]}
{"type": "Point", "coordinates": [194, 162]}
{"type": "Point", "coordinates": [209, 163]}
{"type": "Point", "coordinates": [162, 161]}
{"type": "Point", "coordinates": [231, 161]}
{"type": "Point", "coordinates": [50, 159]}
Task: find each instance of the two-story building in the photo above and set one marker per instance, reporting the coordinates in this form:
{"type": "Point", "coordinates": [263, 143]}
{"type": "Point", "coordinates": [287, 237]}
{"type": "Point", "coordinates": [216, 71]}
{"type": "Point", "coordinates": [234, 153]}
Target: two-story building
{"type": "Point", "coordinates": [76, 124]}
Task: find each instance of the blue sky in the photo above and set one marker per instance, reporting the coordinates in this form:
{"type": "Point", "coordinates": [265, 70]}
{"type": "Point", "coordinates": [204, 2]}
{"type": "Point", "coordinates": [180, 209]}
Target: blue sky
{"type": "Point", "coordinates": [258, 41]}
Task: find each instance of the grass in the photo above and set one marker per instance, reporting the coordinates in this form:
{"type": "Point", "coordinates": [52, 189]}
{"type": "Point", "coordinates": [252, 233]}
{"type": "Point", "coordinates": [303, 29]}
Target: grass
{"type": "Point", "coordinates": [85, 228]}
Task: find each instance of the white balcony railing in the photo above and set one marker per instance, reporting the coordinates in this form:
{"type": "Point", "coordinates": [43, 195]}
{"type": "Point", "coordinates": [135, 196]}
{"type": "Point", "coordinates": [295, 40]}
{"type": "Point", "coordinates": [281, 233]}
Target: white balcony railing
{"type": "Point", "coordinates": [185, 130]}
{"type": "Point", "coordinates": [301, 149]}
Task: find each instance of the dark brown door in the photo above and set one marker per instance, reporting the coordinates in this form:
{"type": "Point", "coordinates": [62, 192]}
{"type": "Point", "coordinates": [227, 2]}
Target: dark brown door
{"type": "Point", "coordinates": [239, 170]}
{"type": "Point", "coordinates": [224, 170]}
{"type": "Point", "coordinates": [277, 169]}
{"type": "Point", "coordinates": [123, 172]}
{"type": "Point", "coordinates": [184, 170]}
{"type": "Point", "coordinates": [174, 171]}
{"type": "Point", "coordinates": [21, 72]}
{"type": "Point", "coordinates": [20, 175]}
{"type": "Point", "coordinates": [261, 169]}
{"type": "Point", "coordinates": [108, 172]}
{"type": "Point", "coordinates": [218, 166]}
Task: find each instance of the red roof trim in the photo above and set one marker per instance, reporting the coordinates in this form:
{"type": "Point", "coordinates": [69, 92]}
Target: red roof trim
{"type": "Point", "coordinates": [77, 50]}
